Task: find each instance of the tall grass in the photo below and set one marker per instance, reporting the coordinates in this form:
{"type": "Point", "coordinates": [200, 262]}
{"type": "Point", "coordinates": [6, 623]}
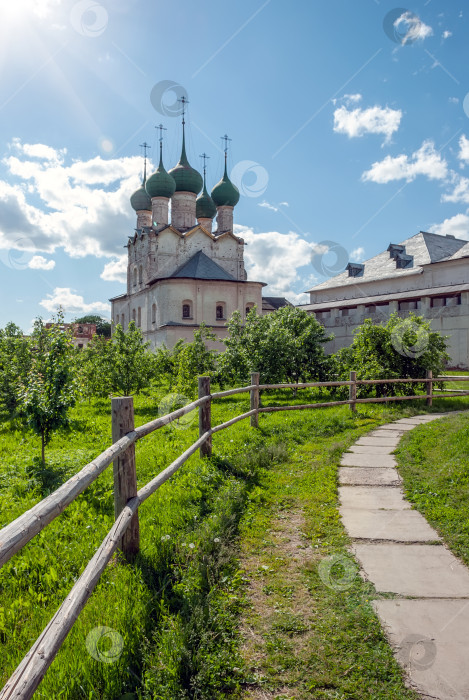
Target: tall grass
{"type": "Point", "coordinates": [173, 612]}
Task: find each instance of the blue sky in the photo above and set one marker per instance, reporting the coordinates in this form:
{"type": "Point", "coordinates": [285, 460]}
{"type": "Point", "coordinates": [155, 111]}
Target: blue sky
{"type": "Point", "coordinates": [348, 123]}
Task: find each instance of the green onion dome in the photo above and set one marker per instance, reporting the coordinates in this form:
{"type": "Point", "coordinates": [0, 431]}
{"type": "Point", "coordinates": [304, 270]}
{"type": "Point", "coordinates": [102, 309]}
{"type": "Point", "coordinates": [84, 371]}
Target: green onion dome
{"type": "Point", "coordinates": [225, 193]}
{"type": "Point", "coordinates": [160, 184]}
{"type": "Point", "coordinates": [140, 201]}
{"type": "Point", "coordinates": [187, 178]}
{"type": "Point", "coordinates": [205, 206]}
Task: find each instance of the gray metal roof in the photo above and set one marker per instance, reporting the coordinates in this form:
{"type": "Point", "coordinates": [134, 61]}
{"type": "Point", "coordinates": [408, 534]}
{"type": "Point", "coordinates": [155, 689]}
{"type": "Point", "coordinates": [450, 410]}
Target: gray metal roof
{"type": "Point", "coordinates": [201, 267]}
{"type": "Point", "coordinates": [426, 248]}
{"type": "Point", "coordinates": [384, 298]}
{"type": "Point", "coordinates": [276, 302]}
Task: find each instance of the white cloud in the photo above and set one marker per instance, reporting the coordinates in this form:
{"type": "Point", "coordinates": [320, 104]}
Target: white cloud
{"type": "Point", "coordinates": [373, 120]}
{"type": "Point", "coordinates": [82, 206]}
{"type": "Point", "coordinates": [460, 191]}
{"type": "Point", "coordinates": [283, 204]}
{"type": "Point", "coordinates": [40, 150]}
{"type": "Point", "coordinates": [454, 100]}
{"type": "Point", "coordinates": [275, 258]}
{"type": "Point", "coordinates": [457, 225]}
{"type": "Point", "coordinates": [115, 270]}
{"type": "Point", "coordinates": [353, 99]}
{"type": "Point", "coordinates": [411, 28]}
{"type": "Point", "coordinates": [425, 161]}
{"type": "Point", "coordinates": [446, 34]}
{"type": "Point", "coordinates": [357, 255]}
{"type": "Point", "coordinates": [38, 262]}
{"type": "Point", "coordinates": [463, 154]}
{"type": "Point", "coordinates": [267, 205]}
{"type": "Point", "coordinates": [71, 302]}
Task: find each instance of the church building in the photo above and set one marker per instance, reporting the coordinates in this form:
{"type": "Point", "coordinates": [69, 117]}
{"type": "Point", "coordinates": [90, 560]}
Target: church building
{"type": "Point", "coordinates": [181, 271]}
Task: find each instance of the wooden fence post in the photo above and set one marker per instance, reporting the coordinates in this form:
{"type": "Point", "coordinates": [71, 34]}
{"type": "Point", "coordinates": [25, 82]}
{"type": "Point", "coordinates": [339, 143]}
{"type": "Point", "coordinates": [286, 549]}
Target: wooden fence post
{"type": "Point", "coordinates": [205, 417]}
{"type": "Point", "coordinates": [125, 472]}
{"type": "Point", "coordinates": [353, 391]}
{"type": "Point", "coordinates": [429, 388]}
{"type": "Point", "coordinates": [255, 400]}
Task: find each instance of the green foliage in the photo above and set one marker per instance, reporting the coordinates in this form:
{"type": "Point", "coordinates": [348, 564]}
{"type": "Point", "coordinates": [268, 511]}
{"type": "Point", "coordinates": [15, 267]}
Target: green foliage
{"type": "Point", "coordinates": [49, 390]}
{"type": "Point", "coordinates": [103, 327]}
{"type": "Point", "coordinates": [402, 348]}
{"type": "Point", "coordinates": [284, 346]}
{"type": "Point", "coordinates": [132, 364]}
{"type": "Point", "coordinates": [123, 365]}
{"type": "Point", "coordinates": [94, 365]}
{"type": "Point", "coordinates": [15, 362]}
{"type": "Point", "coordinates": [194, 359]}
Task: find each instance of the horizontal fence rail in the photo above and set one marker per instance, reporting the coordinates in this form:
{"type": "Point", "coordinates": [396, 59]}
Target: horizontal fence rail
{"type": "Point", "coordinates": [28, 675]}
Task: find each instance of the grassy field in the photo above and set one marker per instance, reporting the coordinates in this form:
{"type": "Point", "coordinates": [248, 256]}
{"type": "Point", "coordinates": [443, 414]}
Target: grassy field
{"type": "Point", "coordinates": [434, 463]}
{"type": "Point", "coordinates": [174, 616]}
{"type": "Point", "coordinates": [451, 386]}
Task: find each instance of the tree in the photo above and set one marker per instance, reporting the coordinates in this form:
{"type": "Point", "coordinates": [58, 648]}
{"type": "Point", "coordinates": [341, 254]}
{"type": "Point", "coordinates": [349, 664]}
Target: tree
{"type": "Point", "coordinates": [194, 359]}
{"type": "Point", "coordinates": [286, 345]}
{"type": "Point", "coordinates": [94, 364]}
{"type": "Point", "coordinates": [15, 362]}
{"type": "Point", "coordinates": [50, 389]}
{"type": "Point", "coordinates": [132, 365]}
{"type": "Point", "coordinates": [402, 348]}
{"type": "Point", "coordinates": [103, 326]}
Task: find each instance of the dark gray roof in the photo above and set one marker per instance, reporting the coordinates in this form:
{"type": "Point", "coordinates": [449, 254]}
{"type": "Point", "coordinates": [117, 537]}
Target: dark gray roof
{"type": "Point", "coordinates": [426, 248]}
{"type": "Point", "coordinates": [201, 267]}
{"type": "Point", "coordinates": [441, 247]}
{"type": "Point", "coordinates": [276, 302]}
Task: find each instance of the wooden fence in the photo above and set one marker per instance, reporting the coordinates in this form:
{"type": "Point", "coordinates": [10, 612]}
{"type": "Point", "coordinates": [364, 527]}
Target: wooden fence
{"type": "Point", "coordinates": [124, 534]}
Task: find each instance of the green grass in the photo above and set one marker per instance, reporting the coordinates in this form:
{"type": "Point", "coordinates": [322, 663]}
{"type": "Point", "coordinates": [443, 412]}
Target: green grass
{"type": "Point", "coordinates": [176, 610]}
{"type": "Point", "coordinates": [433, 461]}
{"type": "Point", "coordinates": [451, 386]}
{"type": "Point", "coordinates": [304, 638]}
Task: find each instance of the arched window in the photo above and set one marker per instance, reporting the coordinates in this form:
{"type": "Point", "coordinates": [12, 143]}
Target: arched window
{"type": "Point", "coordinates": [135, 276]}
{"type": "Point", "coordinates": [153, 313]}
{"type": "Point", "coordinates": [187, 309]}
{"type": "Point", "coordinates": [220, 314]}
{"type": "Point", "coordinates": [122, 321]}
{"type": "Point", "coordinates": [249, 306]}
{"type": "Point", "coordinates": [140, 275]}
{"type": "Point", "coordinates": [134, 315]}
{"type": "Point", "coordinates": [139, 317]}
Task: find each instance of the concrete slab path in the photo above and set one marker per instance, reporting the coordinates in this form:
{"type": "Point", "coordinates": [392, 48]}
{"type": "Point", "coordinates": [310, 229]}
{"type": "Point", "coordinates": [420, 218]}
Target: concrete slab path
{"type": "Point", "coordinates": [427, 622]}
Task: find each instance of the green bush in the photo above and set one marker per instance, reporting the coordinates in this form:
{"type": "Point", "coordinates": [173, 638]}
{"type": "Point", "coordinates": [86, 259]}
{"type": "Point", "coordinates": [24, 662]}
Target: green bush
{"type": "Point", "coordinates": [401, 348]}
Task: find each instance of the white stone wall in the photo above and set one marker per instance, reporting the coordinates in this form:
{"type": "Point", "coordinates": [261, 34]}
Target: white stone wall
{"type": "Point", "coordinates": [224, 218]}
{"type": "Point", "coordinates": [183, 210]}
{"type": "Point", "coordinates": [170, 295]}
{"type": "Point", "coordinates": [159, 207]}
{"type": "Point", "coordinates": [452, 321]}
